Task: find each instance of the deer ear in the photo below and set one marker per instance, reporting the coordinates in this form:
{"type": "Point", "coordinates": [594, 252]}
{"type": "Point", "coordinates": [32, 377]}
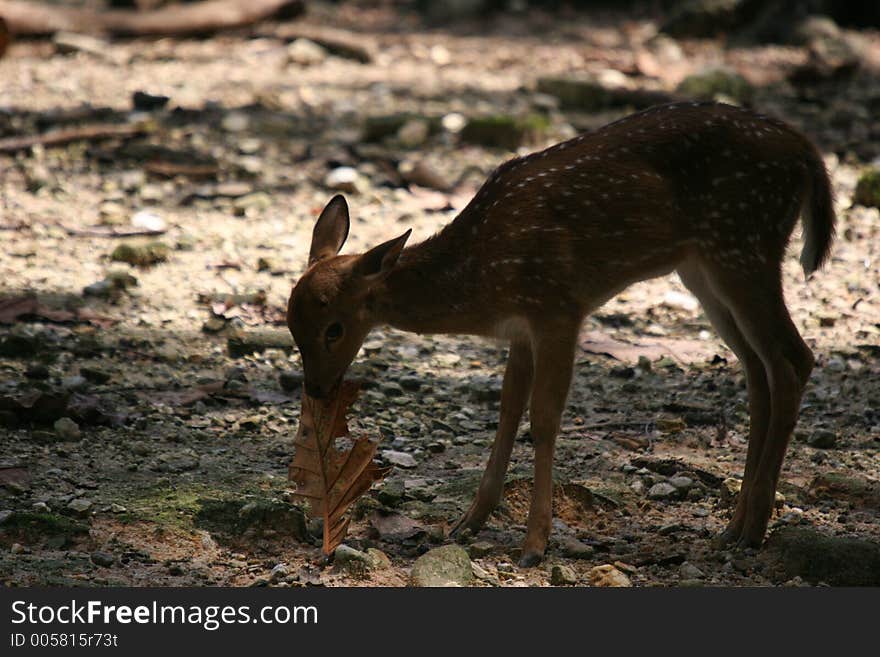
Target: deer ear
{"type": "Point", "coordinates": [330, 231]}
{"type": "Point", "coordinates": [380, 260]}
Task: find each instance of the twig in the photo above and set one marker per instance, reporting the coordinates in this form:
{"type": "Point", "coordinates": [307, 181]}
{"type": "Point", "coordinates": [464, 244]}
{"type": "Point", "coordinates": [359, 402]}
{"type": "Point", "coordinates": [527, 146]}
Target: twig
{"type": "Point", "coordinates": [67, 135]}
{"type": "Point", "coordinates": [207, 17]}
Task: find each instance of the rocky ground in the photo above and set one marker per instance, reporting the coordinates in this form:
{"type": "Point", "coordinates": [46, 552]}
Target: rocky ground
{"type": "Point", "coordinates": [149, 394]}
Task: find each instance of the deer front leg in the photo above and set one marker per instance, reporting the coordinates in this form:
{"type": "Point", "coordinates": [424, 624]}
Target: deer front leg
{"type": "Point", "coordinates": [514, 394]}
{"type": "Point", "coordinates": [554, 361]}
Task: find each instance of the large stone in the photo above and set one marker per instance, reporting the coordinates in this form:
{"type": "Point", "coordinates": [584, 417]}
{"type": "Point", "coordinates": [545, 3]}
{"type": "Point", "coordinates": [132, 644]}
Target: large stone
{"type": "Point", "coordinates": [507, 132]}
{"type": "Point", "coordinates": [448, 565]}
{"type": "Point", "coordinates": [807, 553]}
{"type": "Point", "coordinates": [607, 575]}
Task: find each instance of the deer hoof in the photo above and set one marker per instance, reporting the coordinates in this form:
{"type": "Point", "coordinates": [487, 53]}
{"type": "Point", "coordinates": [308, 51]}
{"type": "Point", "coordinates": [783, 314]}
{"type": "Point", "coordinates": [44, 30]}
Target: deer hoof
{"type": "Point", "coordinates": [530, 559]}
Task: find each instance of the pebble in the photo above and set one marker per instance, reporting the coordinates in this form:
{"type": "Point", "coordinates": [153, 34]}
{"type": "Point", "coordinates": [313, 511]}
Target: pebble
{"type": "Point", "coordinates": [662, 491]}
{"type": "Point", "coordinates": [690, 571]}
{"type": "Point", "coordinates": [305, 52]}
{"type": "Point", "coordinates": [279, 571]}
{"type": "Point", "coordinates": [562, 576]}
{"type": "Point", "coordinates": [681, 483]}
{"type": "Point", "coordinates": [236, 122]}
{"type": "Point", "coordinates": [400, 459]}
{"type": "Point", "coordinates": [822, 439]}
{"type": "Point", "coordinates": [80, 506]}
{"type": "Point", "coordinates": [344, 179]}
{"type": "Point", "coordinates": [575, 549]}
{"type": "Point", "coordinates": [67, 429]}
{"type": "Point", "coordinates": [17, 548]}
{"type": "Point", "coordinates": [480, 549]}
{"type": "Point", "coordinates": [607, 575]}
{"type": "Point", "coordinates": [103, 559]}
{"type": "Point", "coordinates": [149, 220]}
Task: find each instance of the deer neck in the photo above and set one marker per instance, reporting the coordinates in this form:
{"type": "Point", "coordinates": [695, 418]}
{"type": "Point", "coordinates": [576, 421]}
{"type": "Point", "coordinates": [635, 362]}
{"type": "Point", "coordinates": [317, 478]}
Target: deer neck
{"type": "Point", "coordinates": [424, 292]}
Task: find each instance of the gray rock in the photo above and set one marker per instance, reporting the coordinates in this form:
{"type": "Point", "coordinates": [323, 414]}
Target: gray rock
{"type": "Point", "coordinates": [80, 506]}
{"type": "Point", "coordinates": [681, 483]}
{"type": "Point", "coordinates": [662, 491]}
{"type": "Point", "coordinates": [480, 549]}
{"type": "Point", "coordinates": [359, 564]}
{"type": "Point", "coordinates": [17, 548]}
{"type": "Point", "coordinates": [562, 576]}
{"type": "Point", "coordinates": [74, 383]}
{"type": "Point", "coordinates": [815, 557]}
{"type": "Point", "coordinates": [400, 459]}
{"type": "Point", "coordinates": [447, 565]}
{"type": "Point", "coordinates": [279, 571]}
{"type": "Point", "coordinates": [104, 559]}
{"type": "Point", "coordinates": [67, 429]}
{"type": "Point", "coordinates": [5, 515]}
{"type": "Point", "coordinates": [688, 571]}
{"type": "Point", "coordinates": [574, 549]}
{"type": "Point", "coordinates": [822, 439]}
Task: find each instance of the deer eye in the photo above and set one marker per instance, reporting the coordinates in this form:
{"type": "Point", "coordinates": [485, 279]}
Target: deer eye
{"type": "Point", "coordinates": [333, 332]}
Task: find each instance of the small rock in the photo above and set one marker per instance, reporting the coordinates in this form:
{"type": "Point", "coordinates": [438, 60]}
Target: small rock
{"type": "Point", "coordinates": [822, 439]}
{"type": "Point", "coordinates": [141, 255]}
{"type": "Point", "coordinates": [17, 548]}
{"type": "Point", "coordinates": [480, 549]}
{"type": "Point", "coordinates": [690, 571]}
{"type": "Point", "coordinates": [67, 429]}
{"type": "Point", "coordinates": [453, 122]}
{"type": "Point", "coordinates": [359, 564]}
{"type": "Point", "coordinates": [148, 220]}
{"type": "Point", "coordinates": [279, 571]}
{"type": "Point", "coordinates": [146, 102]}
{"type": "Point", "coordinates": [5, 515]}
{"type": "Point", "coordinates": [37, 371]}
{"type": "Point", "coordinates": [574, 549]}
{"type": "Point", "coordinates": [662, 491]}
{"type": "Point", "coordinates": [74, 383]}
{"type": "Point", "coordinates": [344, 179]}
{"type": "Point", "coordinates": [305, 52]}
{"type": "Point", "coordinates": [80, 506]}
{"type": "Point", "coordinates": [607, 575]}
{"type": "Point", "coordinates": [447, 565]}
{"type": "Point", "coordinates": [400, 459]}
{"type": "Point", "coordinates": [505, 131]}
{"type": "Point", "coordinates": [562, 576]}
{"type": "Point", "coordinates": [104, 559]}
{"type": "Point", "coordinates": [414, 133]}
{"type": "Point", "coordinates": [236, 122]}
{"type": "Point", "coordinates": [681, 483]}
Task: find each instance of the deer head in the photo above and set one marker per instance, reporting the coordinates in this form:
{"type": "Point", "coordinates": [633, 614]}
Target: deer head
{"type": "Point", "coordinates": [332, 306]}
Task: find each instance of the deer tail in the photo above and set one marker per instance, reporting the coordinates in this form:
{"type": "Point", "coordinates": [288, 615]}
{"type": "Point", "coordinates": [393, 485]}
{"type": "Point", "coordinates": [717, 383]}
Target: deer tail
{"type": "Point", "coordinates": [817, 216]}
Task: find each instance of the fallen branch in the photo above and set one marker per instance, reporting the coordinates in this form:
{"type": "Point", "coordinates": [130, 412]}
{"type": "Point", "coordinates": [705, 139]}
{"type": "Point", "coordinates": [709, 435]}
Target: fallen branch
{"type": "Point", "coordinates": [337, 42]}
{"type": "Point", "coordinates": [207, 17]}
{"type": "Point", "coordinates": [67, 135]}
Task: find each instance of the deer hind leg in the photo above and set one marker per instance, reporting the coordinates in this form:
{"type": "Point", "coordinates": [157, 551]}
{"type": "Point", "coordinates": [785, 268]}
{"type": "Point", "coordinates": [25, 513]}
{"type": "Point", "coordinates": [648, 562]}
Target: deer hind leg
{"type": "Point", "coordinates": [514, 394]}
{"type": "Point", "coordinates": [724, 324]}
{"type": "Point", "coordinates": [554, 362]}
{"type": "Point", "coordinates": [754, 299]}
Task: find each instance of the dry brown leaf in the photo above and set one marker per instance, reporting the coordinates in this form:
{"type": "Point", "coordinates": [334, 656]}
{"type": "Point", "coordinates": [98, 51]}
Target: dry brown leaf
{"type": "Point", "coordinates": [332, 479]}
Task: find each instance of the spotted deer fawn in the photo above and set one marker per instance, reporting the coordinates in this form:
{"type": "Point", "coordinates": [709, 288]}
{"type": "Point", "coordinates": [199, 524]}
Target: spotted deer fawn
{"type": "Point", "coordinates": [710, 191]}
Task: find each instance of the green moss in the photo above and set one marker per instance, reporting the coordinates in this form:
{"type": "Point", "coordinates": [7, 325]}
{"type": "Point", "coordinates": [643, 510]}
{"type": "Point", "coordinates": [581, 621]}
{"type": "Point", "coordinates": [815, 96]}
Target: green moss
{"type": "Point", "coordinates": [714, 83]}
{"type": "Point", "coordinates": [141, 255]}
{"type": "Point", "coordinates": [34, 526]}
{"type": "Point", "coordinates": [502, 131]}
{"type": "Point", "coordinates": [868, 189]}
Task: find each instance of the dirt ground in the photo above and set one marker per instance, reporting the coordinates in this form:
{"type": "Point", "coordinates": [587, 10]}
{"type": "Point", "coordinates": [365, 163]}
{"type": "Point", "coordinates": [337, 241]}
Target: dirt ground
{"type": "Point", "coordinates": [182, 396]}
